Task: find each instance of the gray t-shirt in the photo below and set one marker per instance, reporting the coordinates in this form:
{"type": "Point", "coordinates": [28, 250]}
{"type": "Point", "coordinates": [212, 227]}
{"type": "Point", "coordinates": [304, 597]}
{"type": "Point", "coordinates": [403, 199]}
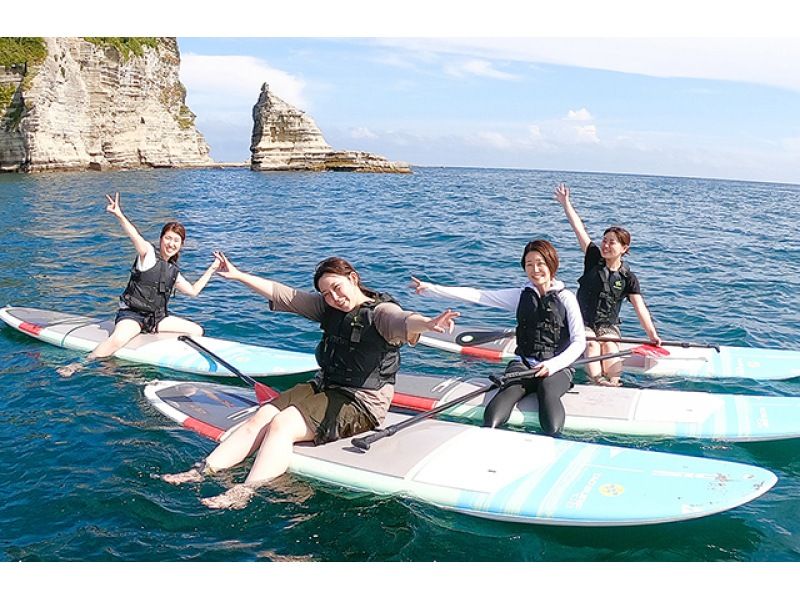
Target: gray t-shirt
{"type": "Point", "coordinates": [390, 321]}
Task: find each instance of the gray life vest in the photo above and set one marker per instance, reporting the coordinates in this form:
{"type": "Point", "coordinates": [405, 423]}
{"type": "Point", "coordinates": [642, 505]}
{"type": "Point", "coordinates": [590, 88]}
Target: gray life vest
{"type": "Point", "coordinates": [352, 352]}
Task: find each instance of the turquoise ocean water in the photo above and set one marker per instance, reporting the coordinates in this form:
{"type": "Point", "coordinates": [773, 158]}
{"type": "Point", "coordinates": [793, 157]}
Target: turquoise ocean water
{"type": "Point", "coordinates": [718, 262]}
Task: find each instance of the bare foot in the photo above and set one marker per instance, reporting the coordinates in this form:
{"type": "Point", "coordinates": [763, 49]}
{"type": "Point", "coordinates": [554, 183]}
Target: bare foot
{"type": "Point", "coordinates": [234, 498]}
{"type": "Point", "coordinates": [192, 475]}
{"type": "Point", "coordinates": [612, 382]}
{"type": "Point", "coordinates": [70, 369]}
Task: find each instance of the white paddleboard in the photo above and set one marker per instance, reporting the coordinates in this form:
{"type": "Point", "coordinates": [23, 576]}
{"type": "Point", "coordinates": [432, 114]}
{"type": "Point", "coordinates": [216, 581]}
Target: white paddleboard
{"type": "Point", "coordinates": [163, 349]}
{"type": "Point", "coordinates": [629, 411]}
{"type": "Point", "coordinates": [694, 362]}
{"type": "Point", "coordinates": [494, 474]}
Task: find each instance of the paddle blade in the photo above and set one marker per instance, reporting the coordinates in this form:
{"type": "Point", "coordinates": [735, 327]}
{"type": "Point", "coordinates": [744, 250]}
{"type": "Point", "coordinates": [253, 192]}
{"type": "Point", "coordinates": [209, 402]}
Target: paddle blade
{"type": "Point", "coordinates": [264, 393]}
{"type": "Point", "coordinates": [479, 337]}
{"type": "Point", "coordinates": [652, 350]}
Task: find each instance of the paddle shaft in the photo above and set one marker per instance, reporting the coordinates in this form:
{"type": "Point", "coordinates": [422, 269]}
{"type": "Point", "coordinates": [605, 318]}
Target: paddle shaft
{"type": "Point", "coordinates": [263, 393]}
{"type": "Point", "coordinates": [190, 341]}
{"type": "Point", "coordinates": [480, 337]}
{"type": "Point", "coordinates": [364, 442]}
{"type": "Point", "coordinates": [647, 341]}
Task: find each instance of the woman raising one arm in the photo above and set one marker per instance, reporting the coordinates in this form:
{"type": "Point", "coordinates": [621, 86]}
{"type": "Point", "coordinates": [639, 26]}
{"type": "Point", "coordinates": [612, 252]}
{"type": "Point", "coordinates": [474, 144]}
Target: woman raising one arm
{"type": "Point", "coordinates": [154, 275]}
{"type": "Point", "coordinates": [605, 282]}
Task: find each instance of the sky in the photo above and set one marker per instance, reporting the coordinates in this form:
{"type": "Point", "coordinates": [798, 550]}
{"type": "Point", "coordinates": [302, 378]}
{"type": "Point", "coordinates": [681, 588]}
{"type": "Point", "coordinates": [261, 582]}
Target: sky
{"type": "Point", "coordinates": [696, 107]}
{"type": "Point", "coordinates": [680, 88]}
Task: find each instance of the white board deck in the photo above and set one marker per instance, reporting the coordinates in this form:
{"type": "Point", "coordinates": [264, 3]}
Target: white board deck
{"type": "Point", "coordinates": [628, 411]}
{"type": "Point", "coordinates": [692, 362]}
{"type": "Point", "coordinates": [495, 474]}
{"type": "Point", "coordinates": [163, 349]}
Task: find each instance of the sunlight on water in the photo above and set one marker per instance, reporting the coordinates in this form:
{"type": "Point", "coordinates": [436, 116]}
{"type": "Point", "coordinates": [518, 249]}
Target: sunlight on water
{"type": "Point", "coordinates": [82, 484]}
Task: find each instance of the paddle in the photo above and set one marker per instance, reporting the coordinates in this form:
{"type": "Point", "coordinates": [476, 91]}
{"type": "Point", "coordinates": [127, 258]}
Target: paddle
{"type": "Point", "coordinates": [496, 382]}
{"type": "Point", "coordinates": [264, 393]}
{"type": "Point", "coordinates": [479, 337]}
{"type": "Point", "coordinates": [646, 341]}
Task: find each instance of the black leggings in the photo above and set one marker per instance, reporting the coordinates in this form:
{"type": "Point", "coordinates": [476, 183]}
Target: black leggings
{"type": "Point", "coordinates": [548, 390]}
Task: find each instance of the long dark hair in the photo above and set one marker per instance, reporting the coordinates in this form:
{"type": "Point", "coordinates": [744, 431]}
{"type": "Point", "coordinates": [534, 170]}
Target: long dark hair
{"type": "Point", "coordinates": [180, 230]}
{"type": "Point", "coordinates": [340, 266]}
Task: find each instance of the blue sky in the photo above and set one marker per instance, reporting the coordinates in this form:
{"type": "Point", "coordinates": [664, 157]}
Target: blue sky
{"type": "Point", "coordinates": [718, 108]}
{"type": "Point", "coordinates": [678, 87]}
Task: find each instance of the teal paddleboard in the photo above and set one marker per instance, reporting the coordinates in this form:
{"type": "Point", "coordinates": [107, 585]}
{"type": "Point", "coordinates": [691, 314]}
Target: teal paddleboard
{"type": "Point", "coordinates": [491, 473]}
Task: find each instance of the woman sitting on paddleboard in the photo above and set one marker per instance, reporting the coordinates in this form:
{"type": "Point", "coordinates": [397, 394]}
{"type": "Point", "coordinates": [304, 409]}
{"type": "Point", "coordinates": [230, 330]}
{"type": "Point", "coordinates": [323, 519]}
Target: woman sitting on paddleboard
{"type": "Point", "coordinates": [550, 335]}
{"type": "Point", "coordinates": [154, 275]}
{"type": "Point", "coordinates": [362, 332]}
{"type": "Point", "coordinates": [605, 282]}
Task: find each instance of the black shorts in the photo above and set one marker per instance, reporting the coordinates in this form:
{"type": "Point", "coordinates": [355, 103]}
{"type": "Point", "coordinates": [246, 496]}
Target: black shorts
{"type": "Point", "coordinates": [148, 322]}
{"type": "Point", "coordinates": [331, 413]}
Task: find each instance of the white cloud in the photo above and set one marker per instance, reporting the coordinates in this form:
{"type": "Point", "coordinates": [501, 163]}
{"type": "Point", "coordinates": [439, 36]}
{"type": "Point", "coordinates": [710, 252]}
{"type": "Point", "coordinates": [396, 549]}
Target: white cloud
{"type": "Point", "coordinates": [767, 61]}
{"type": "Point", "coordinates": [362, 133]}
{"type": "Point", "coordinates": [492, 139]}
{"type": "Point", "coordinates": [235, 79]}
{"type": "Point", "coordinates": [534, 132]}
{"type": "Point", "coordinates": [580, 115]}
{"type": "Point", "coordinates": [480, 68]}
{"type": "Point", "coordinates": [586, 134]}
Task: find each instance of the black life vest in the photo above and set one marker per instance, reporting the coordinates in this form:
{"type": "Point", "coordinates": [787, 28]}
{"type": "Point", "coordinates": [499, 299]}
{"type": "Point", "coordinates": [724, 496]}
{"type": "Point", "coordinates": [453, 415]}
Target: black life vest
{"type": "Point", "coordinates": [542, 329]}
{"type": "Point", "coordinates": [352, 352]}
{"type": "Point", "coordinates": [600, 301]}
{"type": "Point", "coordinates": [148, 292]}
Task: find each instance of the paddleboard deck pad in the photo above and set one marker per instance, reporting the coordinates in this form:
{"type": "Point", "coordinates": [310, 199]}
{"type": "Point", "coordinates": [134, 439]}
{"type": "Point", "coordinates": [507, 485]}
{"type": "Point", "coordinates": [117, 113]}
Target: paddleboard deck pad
{"type": "Point", "coordinates": [491, 473]}
{"type": "Point", "coordinates": [690, 362]}
{"type": "Point", "coordinates": [163, 349]}
{"type": "Point", "coordinates": [625, 410]}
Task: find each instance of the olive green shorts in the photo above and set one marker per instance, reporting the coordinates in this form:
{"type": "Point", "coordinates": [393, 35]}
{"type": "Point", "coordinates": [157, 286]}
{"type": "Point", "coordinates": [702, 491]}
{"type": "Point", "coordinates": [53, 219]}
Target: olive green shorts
{"type": "Point", "coordinates": [331, 414]}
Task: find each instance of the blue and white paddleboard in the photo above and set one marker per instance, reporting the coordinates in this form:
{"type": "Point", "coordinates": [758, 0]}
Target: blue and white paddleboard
{"type": "Point", "coordinates": [629, 411]}
{"type": "Point", "coordinates": [494, 474]}
{"type": "Point", "coordinates": [163, 349]}
{"type": "Point", "coordinates": [695, 362]}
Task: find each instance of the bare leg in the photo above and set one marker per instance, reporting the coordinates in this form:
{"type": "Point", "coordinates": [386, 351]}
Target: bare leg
{"type": "Point", "coordinates": [182, 325]}
{"type": "Point", "coordinates": [594, 370]}
{"type": "Point", "coordinates": [612, 367]}
{"type": "Point", "coordinates": [231, 451]}
{"type": "Point", "coordinates": [272, 460]}
{"type": "Point", "coordinates": [123, 332]}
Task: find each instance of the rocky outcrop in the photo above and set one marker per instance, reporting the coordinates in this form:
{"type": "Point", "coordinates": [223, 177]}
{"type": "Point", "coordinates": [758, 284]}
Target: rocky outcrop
{"type": "Point", "coordinates": [90, 106]}
{"type": "Point", "coordinates": [285, 138]}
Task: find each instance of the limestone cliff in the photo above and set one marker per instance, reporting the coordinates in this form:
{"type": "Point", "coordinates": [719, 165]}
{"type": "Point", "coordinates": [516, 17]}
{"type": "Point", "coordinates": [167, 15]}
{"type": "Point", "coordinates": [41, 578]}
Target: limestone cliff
{"type": "Point", "coordinates": [285, 138]}
{"type": "Point", "coordinates": [94, 105]}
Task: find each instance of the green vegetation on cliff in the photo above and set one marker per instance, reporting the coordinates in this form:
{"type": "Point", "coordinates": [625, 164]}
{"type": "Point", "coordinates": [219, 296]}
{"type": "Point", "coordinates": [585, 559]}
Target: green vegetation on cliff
{"type": "Point", "coordinates": [22, 50]}
{"type": "Point", "coordinates": [7, 91]}
{"type": "Point", "coordinates": [126, 45]}
{"type": "Point", "coordinates": [10, 112]}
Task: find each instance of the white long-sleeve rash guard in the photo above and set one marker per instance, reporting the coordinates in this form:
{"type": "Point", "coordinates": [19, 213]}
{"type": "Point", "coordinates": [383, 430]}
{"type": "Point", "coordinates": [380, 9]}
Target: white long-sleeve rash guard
{"type": "Point", "coordinates": [508, 299]}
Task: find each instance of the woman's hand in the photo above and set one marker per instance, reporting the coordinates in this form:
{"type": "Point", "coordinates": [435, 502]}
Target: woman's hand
{"type": "Point", "coordinates": [226, 269]}
{"type": "Point", "coordinates": [418, 286]}
{"type": "Point", "coordinates": [542, 371]}
{"type": "Point", "coordinates": [443, 322]}
{"type": "Point", "coordinates": [113, 206]}
{"type": "Point", "coordinates": [562, 194]}
{"type": "Point", "coordinates": [215, 265]}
